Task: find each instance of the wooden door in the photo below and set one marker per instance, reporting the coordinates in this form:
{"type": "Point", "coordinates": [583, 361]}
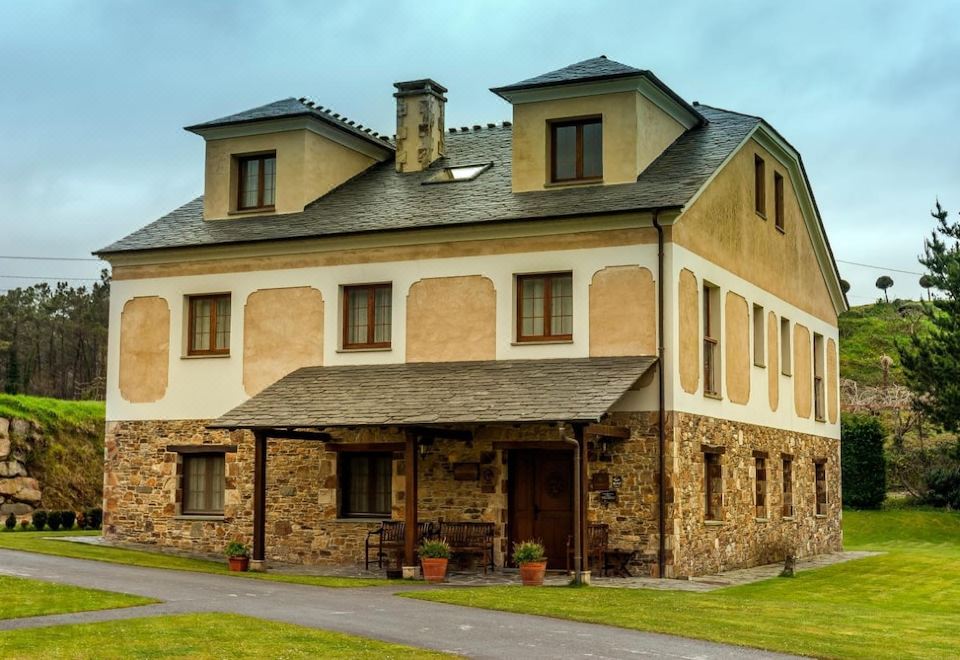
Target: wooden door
{"type": "Point", "coordinates": [541, 501]}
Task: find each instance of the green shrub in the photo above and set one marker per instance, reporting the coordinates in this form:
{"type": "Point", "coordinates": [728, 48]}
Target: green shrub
{"type": "Point", "coordinates": [528, 551]}
{"type": "Point", "coordinates": [92, 518]}
{"type": "Point", "coordinates": [67, 519]}
{"type": "Point", "coordinates": [53, 520]}
{"type": "Point", "coordinates": [24, 525]}
{"type": "Point", "coordinates": [437, 549]}
{"type": "Point", "coordinates": [39, 520]}
{"type": "Point", "coordinates": [236, 549]}
{"type": "Point", "coordinates": [10, 522]}
{"type": "Point", "coordinates": [943, 487]}
{"type": "Point", "coordinates": [863, 465]}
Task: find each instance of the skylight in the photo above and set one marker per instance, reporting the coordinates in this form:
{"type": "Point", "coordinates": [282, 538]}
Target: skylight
{"type": "Point", "coordinates": [458, 173]}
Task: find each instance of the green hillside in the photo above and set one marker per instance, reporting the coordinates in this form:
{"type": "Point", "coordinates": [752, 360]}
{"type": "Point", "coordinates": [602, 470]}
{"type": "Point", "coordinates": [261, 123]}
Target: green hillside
{"type": "Point", "coordinates": [870, 331]}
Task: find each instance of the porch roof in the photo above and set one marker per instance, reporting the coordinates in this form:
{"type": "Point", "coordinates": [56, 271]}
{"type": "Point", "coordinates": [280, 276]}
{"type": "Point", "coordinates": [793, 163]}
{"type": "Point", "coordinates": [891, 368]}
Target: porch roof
{"type": "Point", "coordinates": [568, 389]}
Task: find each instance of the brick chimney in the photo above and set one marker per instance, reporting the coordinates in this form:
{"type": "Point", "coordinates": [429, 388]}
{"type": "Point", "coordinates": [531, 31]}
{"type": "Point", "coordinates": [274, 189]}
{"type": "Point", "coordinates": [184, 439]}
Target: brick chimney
{"type": "Point", "coordinates": [419, 123]}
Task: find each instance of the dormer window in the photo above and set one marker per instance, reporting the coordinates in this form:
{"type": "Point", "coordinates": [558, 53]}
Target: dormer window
{"type": "Point", "coordinates": [576, 152]}
{"type": "Point", "coordinates": [256, 187]}
{"type": "Point", "coordinates": [458, 173]}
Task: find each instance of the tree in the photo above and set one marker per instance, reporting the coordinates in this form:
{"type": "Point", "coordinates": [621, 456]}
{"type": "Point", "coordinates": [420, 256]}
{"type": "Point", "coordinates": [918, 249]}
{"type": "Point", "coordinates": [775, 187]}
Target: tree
{"type": "Point", "coordinates": [884, 282]}
{"type": "Point", "coordinates": [927, 283]}
{"type": "Point", "coordinates": [845, 286]}
{"type": "Point", "coordinates": [930, 357]}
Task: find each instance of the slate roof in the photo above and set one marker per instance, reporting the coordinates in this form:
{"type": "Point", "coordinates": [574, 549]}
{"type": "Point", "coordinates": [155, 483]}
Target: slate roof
{"type": "Point", "coordinates": [381, 199]}
{"type": "Point", "coordinates": [580, 389]}
{"type": "Point", "coordinates": [302, 107]}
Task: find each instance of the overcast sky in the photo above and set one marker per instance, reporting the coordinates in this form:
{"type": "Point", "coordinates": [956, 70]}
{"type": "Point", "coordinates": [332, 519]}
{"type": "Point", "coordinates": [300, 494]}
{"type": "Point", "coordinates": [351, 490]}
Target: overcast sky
{"type": "Point", "coordinates": [94, 95]}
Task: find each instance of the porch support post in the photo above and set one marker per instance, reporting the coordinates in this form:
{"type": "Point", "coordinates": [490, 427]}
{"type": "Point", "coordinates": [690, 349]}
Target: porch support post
{"type": "Point", "coordinates": [410, 501]}
{"type": "Point", "coordinates": [584, 497]}
{"type": "Point", "coordinates": [259, 500]}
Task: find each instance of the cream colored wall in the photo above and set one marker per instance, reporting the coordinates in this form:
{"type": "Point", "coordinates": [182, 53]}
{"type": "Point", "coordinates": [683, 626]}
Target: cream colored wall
{"type": "Point", "coordinates": [723, 227]}
{"type": "Point", "coordinates": [451, 319]}
{"type": "Point", "coordinates": [282, 331]}
{"type": "Point", "coordinates": [736, 340]}
{"type": "Point", "coordinates": [689, 329]}
{"type": "Point", "coordinates": [802, 370]}
{"type": "Point", "coordinates": [623, 312]}
{"type": "Point", "coordinates": [308, 166]}
{"type": "Point", "coordinates": [773, 361]}
{"type": "Point", "coordinates": [635, 132]}
{"type": "Point", "coordinates": [144, 349]}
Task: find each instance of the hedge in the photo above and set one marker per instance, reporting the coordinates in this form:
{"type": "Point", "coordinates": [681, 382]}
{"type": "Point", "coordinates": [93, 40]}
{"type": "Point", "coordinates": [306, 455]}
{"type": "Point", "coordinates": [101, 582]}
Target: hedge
{"type": "Point", "coordinates": [863, 465]}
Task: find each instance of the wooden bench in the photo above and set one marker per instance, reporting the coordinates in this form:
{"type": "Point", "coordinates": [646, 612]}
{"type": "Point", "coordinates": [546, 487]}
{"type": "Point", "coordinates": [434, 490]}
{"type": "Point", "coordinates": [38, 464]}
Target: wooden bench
{"type": "Point", "coordinates": [598, 538]}
{"type": "Point", "coordinates": [466, 538]}
{"type": "Point", "coordinates": [390, 536]}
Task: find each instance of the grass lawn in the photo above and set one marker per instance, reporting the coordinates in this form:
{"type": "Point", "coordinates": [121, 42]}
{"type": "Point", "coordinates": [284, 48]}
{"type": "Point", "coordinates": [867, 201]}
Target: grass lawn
{"type": "Point", "coordinates": [40, 542]}
{"type": "Point", "coordinates": [23, 597]}
{"type": "Point", "coordinates": [904, 604]}
{"type": "Point", "coordinates": [195, 636]}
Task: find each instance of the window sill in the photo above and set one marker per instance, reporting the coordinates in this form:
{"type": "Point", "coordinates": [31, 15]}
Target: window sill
{"type": "Point", "coordinates": [713, 395]}
{"type": "Point", "coordinates": [378, 349]}
{"type": "Point", "coordinates": [822, 516]}
{"type": "Point", "coordinates": [376, 521]}
{"type": "Point", "coordinates": [761, 520]}
{"type": "Point", "coordinates": [789, 519]}
{"type": "Point", "coordinates": [820, 419]}
{"type": "Point", "coordinates": [257, 211]}
{"type": "Point", "coordinates": [757, 364]}
{"type": "Point", "coordinates": [188, 516]}
{"type": "Point", "coordinates": [540, 342]}
{"type": "Point", "coordinates": [781, 230]}
{"type": "Point", "coordinates": [205, 357]}
{"type": "Point", "coordinates": [574, 183]}
{"type": "Point", "coordinates": [713, 523]}
{"type": "Point", "coordinates": [784, 373]}
{"type": "Point", "coordinates": [762, 215]}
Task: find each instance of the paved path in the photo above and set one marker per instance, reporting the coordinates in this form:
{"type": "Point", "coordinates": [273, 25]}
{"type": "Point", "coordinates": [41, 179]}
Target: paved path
{"type": "Point", "coordinates": [370, 611]}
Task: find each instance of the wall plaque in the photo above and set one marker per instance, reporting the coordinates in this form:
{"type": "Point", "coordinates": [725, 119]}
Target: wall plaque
{"type": "Point", "coordinates": [600, 481]}
{"type": "Point", "coordinates": [617, 482]}
{"type": "Point", "coordinates": [466, 471]}
{"type": "Point", "coordinates": [608, 496]}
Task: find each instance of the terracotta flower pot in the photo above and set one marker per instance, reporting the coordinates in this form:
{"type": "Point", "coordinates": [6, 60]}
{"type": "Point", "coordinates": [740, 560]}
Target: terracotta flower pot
{"type": "Point", "coordinates": [239, 564]}
{"type": "Point", "coordinates": [434, 569]}
{"type": "Point", "coordinates": [532, 573]}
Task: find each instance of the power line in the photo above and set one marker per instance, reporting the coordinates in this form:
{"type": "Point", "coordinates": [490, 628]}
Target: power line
{"type": "Point", "coordinates": [883, 268]}
{"type": "Point", "coordinates": [11, 256]}
{"type": "Point", "coordinates": [59, 279]}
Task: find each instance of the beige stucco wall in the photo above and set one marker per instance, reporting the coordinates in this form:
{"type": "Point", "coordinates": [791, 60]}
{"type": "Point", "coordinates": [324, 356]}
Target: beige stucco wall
{"type": "Point", "coordinates": [723, 227]}
{"type": "Point", "coordinates": [802, 371]}
{"type": "Point", "coordinates": [282, 331]}
{"type": "Point", "coordinates": [832, 382]}
{"type": "Point", "coordinates": [144, 349]}
{"type": "Point", "coordinates": [635, 132]}
{"type": "Point", "coordinates": [773, 361]}
{"type": "Point", "coordinates": [308, 166]}
{"type": "Point", "coordinates": [623, 312]}
{"type": "Point", "coordinates": [688, 295]}
{"type": "Point", "coordinates": [451, 319]}
{"type": "Point", "coordinates": [737, 342]}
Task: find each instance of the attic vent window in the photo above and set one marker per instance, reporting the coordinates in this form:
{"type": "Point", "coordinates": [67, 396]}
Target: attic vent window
{"type": "Point", "coordinates": [459, 173]}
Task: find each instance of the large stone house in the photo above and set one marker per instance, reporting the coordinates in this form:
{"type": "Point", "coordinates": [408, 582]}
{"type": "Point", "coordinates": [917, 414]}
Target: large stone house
{"type": "Point", "coordinates": [349, 327]}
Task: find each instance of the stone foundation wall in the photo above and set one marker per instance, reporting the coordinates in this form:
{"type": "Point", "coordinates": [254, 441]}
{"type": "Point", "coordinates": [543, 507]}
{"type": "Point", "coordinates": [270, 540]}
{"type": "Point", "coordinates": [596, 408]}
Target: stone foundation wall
{"type": "Point", "coordinates": [741, 539]}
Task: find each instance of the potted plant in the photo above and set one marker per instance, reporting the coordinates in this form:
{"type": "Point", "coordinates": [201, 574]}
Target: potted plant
{"type": "Point", "coordinates": [530, 557]}
{"type": "Point", "coordinates": [434, 556]}
{"type": "Point", "coordinates": [238, 556]}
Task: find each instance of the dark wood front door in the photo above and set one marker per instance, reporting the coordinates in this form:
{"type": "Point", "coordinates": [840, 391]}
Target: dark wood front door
{"type": "Point", "coordinates": [541, 500]}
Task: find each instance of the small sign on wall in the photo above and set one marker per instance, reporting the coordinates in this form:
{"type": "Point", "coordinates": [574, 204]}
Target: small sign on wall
{"type": "Point", "coordinates": [617, 482]}
{"type": "Point", "coordinates": [466, 471]}
{"type": "Point", "coordinates": [599, 481]}
{"type": "Point", "coordinates": [608, 497]}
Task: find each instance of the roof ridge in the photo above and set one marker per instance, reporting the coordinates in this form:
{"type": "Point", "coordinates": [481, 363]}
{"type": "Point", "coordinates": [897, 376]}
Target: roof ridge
{"type": "Point", "coordinates": [698, 104]}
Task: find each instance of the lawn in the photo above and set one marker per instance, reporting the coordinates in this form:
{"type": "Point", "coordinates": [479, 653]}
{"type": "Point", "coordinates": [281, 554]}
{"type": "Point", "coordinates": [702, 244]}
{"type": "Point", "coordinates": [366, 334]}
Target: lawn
{"type": "Point", "coordinates": [195, 636]}
{"type": "Point", "coordinates": [40, 542]}
{"type": "Point", "coordinates": [22, 598]}
{"type": "Point", "coordinates": [903, 604]}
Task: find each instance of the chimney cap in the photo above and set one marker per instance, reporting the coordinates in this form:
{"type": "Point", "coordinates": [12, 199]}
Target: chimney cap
{"type": "Point", "coordinates": [422, 86]}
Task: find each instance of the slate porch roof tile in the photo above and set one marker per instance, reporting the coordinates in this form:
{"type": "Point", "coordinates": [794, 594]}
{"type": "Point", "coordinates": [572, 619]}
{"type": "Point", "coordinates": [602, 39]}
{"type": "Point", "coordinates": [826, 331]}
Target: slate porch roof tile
{"type": "Point", "coordinates": [381, 199]}
{"type": "Point", "coordinates": [580, 389]}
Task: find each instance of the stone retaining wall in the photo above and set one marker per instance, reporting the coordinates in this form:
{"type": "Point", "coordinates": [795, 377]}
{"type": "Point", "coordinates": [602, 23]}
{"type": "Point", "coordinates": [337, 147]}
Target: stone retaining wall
{"type": "Point", "coordinates": [19, 492]}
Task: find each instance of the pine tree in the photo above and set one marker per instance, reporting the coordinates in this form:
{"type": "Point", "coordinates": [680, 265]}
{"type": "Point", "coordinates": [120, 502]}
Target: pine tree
{"type": "Point", "coordinates": [931, 356]}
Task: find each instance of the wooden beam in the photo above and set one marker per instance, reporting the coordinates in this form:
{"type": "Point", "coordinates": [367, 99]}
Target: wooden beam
{"type": "Point", "coordinates": [531, 444]}
{"type": "Point", "coordinates": [431, 433]}
{"type": "Point", "coordinates": [578, 433]}
{"type": "Point", "coordinates": [203, 449]}
{"type": "Point", "coordinates": [366, 446]}
{"type": "Point", "coordinates": [410, 501]}
{"type": "Point", "coordinates": [280, 434]}
{"type": "Point", "coordinates": [259, 495]}
{"type": "Point", "coordinates": [608, 431]}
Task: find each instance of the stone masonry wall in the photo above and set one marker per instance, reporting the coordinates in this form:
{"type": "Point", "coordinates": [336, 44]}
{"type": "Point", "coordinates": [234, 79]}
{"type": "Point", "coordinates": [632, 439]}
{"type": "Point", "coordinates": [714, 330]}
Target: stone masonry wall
{"type": "Point", "coordinates": [19, 492]}
{"type": "Point", "coordinates": [741, 539]}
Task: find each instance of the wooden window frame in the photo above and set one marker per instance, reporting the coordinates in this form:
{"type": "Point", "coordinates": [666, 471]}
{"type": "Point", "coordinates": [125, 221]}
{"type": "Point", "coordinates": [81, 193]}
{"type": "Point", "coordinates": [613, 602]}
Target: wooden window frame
{"type": "Point", "coordinates": [778, 202]}
{"type": "Point", "coordinates": [547, 307]}
{"type": "Point", "coordinates": [579, 124]}
{"type": "Point", "coordinates": [786, 347]}
{"type": "Point", "coordinates": [820, 486]}
{"type": "Point", "coordinates": [242, 161]}
{"type": "Point", "coordinates": [712, 458]}
{"type": "Point", "coordinates": [759, 336]}
{"type": "Point", "coordinates": [819, 393]}
{"type": "Point", "coordinates": [786, 486]}
{"type": "Point", "coordinates": [371, 316]}
{"type": "Point", "coordinates": [760, 485]}
{"type": "Point", "coordinates": [711, 344]}
{"type": "Point", "coordinates": [760, 186]}
{"type": "Point", "coordinates": [214, 298]}
{"type": "Point", "coordinates": [343, 481]}
{"type": "Point", "coordinates": [186, 486]}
